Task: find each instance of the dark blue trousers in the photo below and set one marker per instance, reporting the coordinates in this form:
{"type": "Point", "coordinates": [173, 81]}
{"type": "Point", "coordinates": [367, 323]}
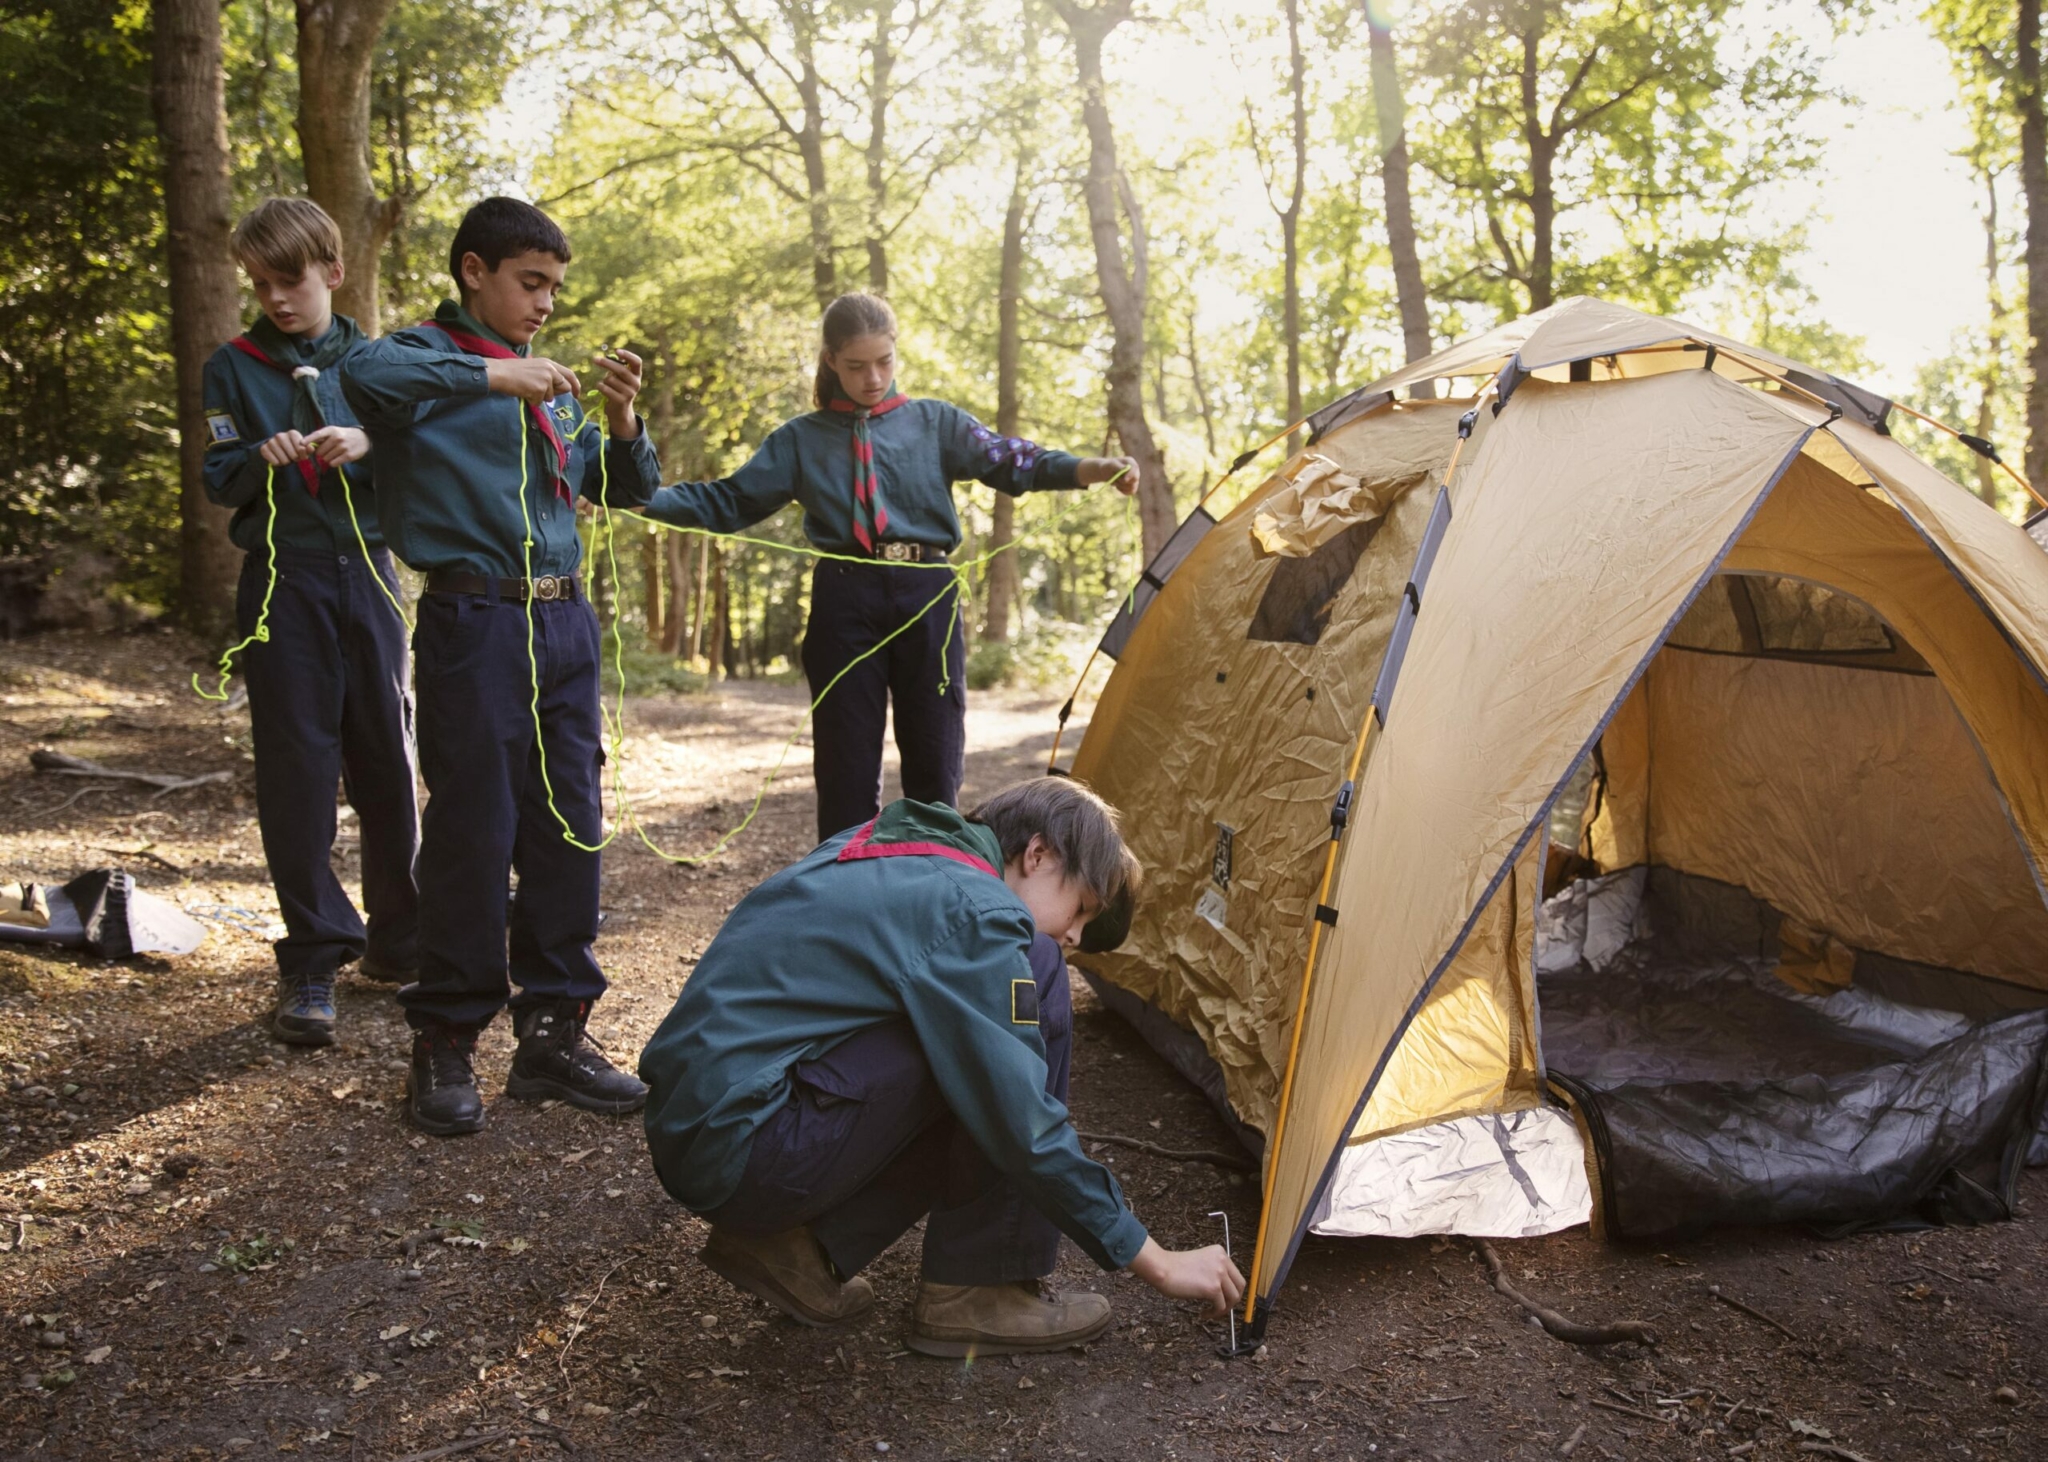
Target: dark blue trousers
{"type": "Point", "coordinates": [866, 1146]}
{"type": "Point", "coordinates": [853, 608]}
{"type": "Point", "coordinates": [487, 806]}
{"type": "Point", "coordinates": [328, 705]}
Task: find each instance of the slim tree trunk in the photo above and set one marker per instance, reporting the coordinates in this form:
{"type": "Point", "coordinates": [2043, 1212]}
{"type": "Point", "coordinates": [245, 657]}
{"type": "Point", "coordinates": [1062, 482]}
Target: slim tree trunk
{"type": "Point", "coordinates": [883, 58]}
{"type": "Point", "coordinates": [811, 144]}
{"type": "Point", "coordinates": [1290, 222]}
{"type": "Point", "coordinates": [337, 43]}
{"type": "Point", "coordinates": [1002, 569]}
{"type": "Point", "coordinates": [1202, 402]}
{"type": "Point", "coordinates": [1994, 345]}
{"type": "Point", "coordinates": [1542, 186]}
{"type": "Point", "coordinates": [187, 86]}
{"type": "Point", "coordinates": [1123, 291]}
{"type": "Point", "coordinates": [1390, 109]}
{"type": "Point", "coordinates": [703, 594]}
{"type": "Point", "coordinates": [675, 625]}
{"type": "Point", "coordinates": [721, 617]}
{"type": "Point", "coordinates": [2034, 187]}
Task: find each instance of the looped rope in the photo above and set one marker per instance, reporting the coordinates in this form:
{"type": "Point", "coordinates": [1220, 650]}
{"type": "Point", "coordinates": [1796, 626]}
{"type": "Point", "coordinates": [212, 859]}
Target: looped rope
{"type": "Point", "coordinates": [260, 635]}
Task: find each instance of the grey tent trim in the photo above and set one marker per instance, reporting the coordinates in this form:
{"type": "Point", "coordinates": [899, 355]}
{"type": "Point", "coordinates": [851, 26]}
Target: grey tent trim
{"type": "Point", "coordinates": [1192, 530]}
{"type": "Point", "coordinates": [1345, 410]}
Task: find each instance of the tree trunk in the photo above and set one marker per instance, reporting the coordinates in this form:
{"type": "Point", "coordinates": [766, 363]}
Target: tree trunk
{"type": "Point", "coordinates": [187, 88]}
{"type": "Point", "coordinates": [2034, 187]}
{"type": "Point", "coordinates": [337, 43]}
{"type": "Point", "coordinates": [703, 594]}
{"type": "Point", "coordinates": [651, 576]}
{"type": "Point", "coordinates": [1123, 293]}
{"type": "Point", "coordinates": [1408, 290]}
{"type": "Point", "coordinates": [1994, 345]}
{"type": "Point", "coordinates": [721, 617]}
{"type": "Point", "coordinates": [1542, 187]}
{"type": "Point", "coordinates": [811, 144]}
{"type": "Point", "coordinates": [1002, 569]}
{"type": "Point", "coordinates": [884, 62]}
{"type": "Point", "coordinates": [1202, 402]}
{"type": "Point", "coordinates": [1290, 223]}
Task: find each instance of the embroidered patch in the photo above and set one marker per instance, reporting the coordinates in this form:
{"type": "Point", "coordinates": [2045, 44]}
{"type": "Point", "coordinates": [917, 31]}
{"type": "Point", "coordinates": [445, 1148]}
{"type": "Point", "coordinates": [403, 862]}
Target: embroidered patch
{"type": "Point", "coordinates": [220, 427]}
{"type": "Point", "coordinates": [566, 415]}
{"type": "Point", "coordinates": [1023, 1002]}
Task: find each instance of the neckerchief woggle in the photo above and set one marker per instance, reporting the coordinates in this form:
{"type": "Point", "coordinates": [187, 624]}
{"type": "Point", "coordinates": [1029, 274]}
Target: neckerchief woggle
{"type": "Point", "coordinates": [303, 361]}
{"type": "Point", "coordinates": [446, 320]}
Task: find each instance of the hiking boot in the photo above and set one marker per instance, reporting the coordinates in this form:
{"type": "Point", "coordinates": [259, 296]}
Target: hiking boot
{"type": "Point", "coordinates": [556, 1061]}
{"type": "Point", "coordinates": [441, 1098]}
{"type": "Point", "coordinates": [304, 1013]}
{"type": "Point", "coordinates": [369, 967]}
{"type": "Point", "coordinates": [1002, 1319]}
{"type": "Point", "coordinates": [790, 1272]}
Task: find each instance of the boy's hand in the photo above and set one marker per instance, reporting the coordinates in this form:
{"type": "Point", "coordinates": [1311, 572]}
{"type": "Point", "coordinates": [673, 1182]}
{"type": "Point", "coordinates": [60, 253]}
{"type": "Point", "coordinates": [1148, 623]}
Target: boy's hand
{"type": "Point", "coordinates": [283, 449]}
{"type": "Point", "coordinates": [1121, 470]}
{"type": "Point", "coordinates": [620, 385]}
{"type": "Point", "coordinates": [1191, 1274]}
{"type": "Point", "coordinates": [337, 445]}
{"type": "Point", "coordinates": [531, 378]}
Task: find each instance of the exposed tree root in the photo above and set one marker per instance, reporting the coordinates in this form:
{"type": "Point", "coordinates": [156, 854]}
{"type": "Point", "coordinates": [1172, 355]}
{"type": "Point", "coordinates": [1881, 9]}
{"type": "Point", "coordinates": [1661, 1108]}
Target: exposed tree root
{"type": "Point", "coordinates": [1568, 1330]}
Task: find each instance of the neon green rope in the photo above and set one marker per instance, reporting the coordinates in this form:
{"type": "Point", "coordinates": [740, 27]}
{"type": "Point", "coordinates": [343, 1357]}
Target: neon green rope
{"type": "Point", "coordinates": [348, 499]}
{"type": "Point", "coordinates": [261, 633]}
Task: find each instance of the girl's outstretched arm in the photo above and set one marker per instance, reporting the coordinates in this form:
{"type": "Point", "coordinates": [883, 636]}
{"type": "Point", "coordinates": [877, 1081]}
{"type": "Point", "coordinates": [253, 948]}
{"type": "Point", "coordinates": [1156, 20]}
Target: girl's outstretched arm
{"type": "Point", "coordinates": [763, 486]}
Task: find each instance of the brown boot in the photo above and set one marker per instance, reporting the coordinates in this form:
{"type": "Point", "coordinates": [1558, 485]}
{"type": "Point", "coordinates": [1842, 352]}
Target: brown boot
{"type": "Point", "coordinates": [1003, 1319]}
{"type": "Point", "coordinates": [789, 1271]}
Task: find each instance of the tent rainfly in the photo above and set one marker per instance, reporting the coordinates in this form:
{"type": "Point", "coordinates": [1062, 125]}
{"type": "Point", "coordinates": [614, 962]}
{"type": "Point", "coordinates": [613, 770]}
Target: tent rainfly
{"type": "Point", "coordinates": [1619, 792]}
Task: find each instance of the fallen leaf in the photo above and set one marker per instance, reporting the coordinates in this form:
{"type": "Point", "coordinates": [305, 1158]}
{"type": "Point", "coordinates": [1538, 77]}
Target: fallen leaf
{"type": "Point", "coordinates": [97, 1354]}
{"type": "Point", "coordinates": [591, 1408]}
{"type": "Point", "coordinates": [517, 1246]}
{"type": "Point", "coordinates": [360, 1382]}
{"type": "Point", "coordinates": [393, 1333]}
{"type": "Point", "coordinates": [577, 1156]}
{"type": "Point", "coordinates": [343, 1093]}
{"type": "Point", "coordinates": [421, 1339]}
{"type": "Point", "coordinates": [1808, 1429]}
{"type": "Point", "coordinates": [726, 1371]}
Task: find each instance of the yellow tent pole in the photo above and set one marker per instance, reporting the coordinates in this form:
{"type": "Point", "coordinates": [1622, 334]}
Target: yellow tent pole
{"type": "Point", "coordinates": [1315, 939]}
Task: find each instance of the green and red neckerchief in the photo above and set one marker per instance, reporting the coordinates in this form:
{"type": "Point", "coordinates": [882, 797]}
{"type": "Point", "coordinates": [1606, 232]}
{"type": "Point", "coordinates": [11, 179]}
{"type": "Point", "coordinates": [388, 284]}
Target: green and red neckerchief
{"type": "Point", "coordinates": [448, 321]}
{"type": "Point", "coordinates": [870, 518]}
{"type": "Point", "coordinates": [302, 360]}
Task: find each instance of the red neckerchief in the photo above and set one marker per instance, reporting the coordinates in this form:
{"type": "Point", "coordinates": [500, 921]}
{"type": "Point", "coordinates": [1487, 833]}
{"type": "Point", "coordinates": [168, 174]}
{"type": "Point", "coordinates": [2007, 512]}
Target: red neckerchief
{"type": "Point", "coordinates": [491, 350]}
{"type": "Point", "coordinates": [870, 518]}
{"type": "Point", "coordinates": [863, 845]}
{"type": "Point", "coordinates": [309, 468]}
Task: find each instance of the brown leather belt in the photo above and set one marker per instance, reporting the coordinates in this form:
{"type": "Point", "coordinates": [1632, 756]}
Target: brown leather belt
{"type": "Point", "coordinates": [547, 589]}
{"type": "Point", "coordinates": [909, 553]}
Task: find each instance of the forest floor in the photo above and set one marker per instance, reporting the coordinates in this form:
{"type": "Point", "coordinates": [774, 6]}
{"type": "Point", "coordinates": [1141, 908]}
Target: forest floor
{"type": "Point", "coordinates": [212, 1245]}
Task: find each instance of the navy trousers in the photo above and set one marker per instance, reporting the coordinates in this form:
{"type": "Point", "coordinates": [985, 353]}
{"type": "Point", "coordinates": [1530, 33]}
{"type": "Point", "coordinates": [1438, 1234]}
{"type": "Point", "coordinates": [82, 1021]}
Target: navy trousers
{"type": "Point", "coordinates": [328, 706]}
{"type": "Point", "coordinates": [853, 608]}
{"type": "Point", "coordinates": [487, 806]}
{"type": "Point", "coordinates": [866, 1146]}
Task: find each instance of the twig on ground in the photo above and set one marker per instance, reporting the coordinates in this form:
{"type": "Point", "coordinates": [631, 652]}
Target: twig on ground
{"type": "Point", "coordinates": [1624, 1410]}
{"type": "Point", "coordinates": [481, 1439]}
{"type": "Point", "coordinates": [142, 852]}
{"type": "Point", "coordinates": [73, 798]}
{"type": "Point", "coordinates": [1572, 1443]}
{"type": "Point", "coordinates": [1565, 1329]}
{"type": "Point", "coordinates": [1237, 1161]}
{"type": "Point", "coordinates": [1753, 1312]}
{"type": "Point", "coordinates": [1829, 1449]}
{"type": "Point", "coordinates": [576, 1325]}
{"type": "Point", "coordinates": [43, 759]}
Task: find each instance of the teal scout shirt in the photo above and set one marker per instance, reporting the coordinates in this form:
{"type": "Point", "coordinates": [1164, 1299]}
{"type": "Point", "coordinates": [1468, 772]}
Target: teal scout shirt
{"type": "Point", "coordinates": [846, 939]}
{"type": "Point", "coordinates": [448, 465]}
{"type": "Point", "coordinates": [247, 403]}
{"type": "Point", "coordinates": [921, 448]}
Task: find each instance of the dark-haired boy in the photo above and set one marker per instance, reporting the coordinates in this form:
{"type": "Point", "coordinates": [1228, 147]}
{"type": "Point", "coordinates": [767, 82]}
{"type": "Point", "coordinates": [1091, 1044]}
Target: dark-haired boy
{"type": "Point", "coordinates": [482, 449]}
{"type": "Point", "coordinates": [882, 1032]}
{"type": "Point", "coordinates": [327, 683]}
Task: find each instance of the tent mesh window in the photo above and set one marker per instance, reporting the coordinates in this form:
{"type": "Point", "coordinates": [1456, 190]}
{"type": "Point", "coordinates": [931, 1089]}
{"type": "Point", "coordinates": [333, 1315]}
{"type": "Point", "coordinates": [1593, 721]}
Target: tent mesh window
{"type": "Point", "coordinates": [1295, 609]}
{"type": "Point", "coordinates": [1792, 619]}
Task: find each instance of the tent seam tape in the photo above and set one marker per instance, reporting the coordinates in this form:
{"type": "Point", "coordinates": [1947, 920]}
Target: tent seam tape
{"type": "Point", "coordinates": [1493, 886]}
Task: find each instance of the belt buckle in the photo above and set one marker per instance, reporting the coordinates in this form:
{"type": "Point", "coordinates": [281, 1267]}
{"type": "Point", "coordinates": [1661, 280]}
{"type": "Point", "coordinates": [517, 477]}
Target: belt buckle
{"type": "Point", "coordinates": [547, 588]}
{"type": "Point", "coordinates": [899, 552]}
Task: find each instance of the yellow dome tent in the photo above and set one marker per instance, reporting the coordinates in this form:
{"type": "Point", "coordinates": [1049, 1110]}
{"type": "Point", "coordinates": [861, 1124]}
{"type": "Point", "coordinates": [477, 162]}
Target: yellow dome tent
{"type": "Point", "coordinates": [1796, 673]}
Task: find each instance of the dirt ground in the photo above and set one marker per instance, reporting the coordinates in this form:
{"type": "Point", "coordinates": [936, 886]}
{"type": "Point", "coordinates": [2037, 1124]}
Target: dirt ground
{"type": "Point", "coordinates": [212, 1245]}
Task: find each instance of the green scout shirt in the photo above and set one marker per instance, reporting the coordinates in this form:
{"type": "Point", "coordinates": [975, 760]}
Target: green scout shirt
{"type": "Point", "coordinates": [448, 467]}
{"type": "Point", "coordinates": [921, 449]}
{"type": "Point", "coordinates": [846, 939]}
{"type": "Point", "coordinates": [248, 403]}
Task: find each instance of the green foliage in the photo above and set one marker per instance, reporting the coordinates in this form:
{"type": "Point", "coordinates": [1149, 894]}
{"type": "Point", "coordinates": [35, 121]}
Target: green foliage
{"type": "Point", "coordinates": [258, 1252]}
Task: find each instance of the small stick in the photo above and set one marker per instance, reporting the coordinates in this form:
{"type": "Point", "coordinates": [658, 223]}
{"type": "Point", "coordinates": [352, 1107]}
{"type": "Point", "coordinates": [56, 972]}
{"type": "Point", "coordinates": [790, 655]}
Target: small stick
{"type": "Point", "coordinates": [1238, 1161]}
{"type": "Point", "coordinates": [470, 1444]}
{"type": "Point", "coordinates": [1567, 1330]}
{"type": "Point", "coordinates": [1828, 1449]}
{"type": "Point", "coordinates": [43, 759]}
{"type": "Point", "coordinates": [1572, 1444]}
{"type": "Point", "coordinates": [158, 859]}
{"type": "Point", "coordinates": [1624, 1410]}
{"type": "Point", "coordinates": [576, 1325]}
{"type": "Point", "coordinates": [1751, 1311]}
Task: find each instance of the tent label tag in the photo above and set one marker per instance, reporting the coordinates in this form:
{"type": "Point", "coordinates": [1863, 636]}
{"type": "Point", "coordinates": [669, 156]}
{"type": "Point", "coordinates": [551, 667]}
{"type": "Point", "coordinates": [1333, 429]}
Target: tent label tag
{"type": "Point", "coordinates": [1213, 908]}
{"type": "Point", "coordinates": [1219, 866]}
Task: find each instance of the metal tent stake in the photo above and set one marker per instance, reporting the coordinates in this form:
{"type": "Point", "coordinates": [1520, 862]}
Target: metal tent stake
{"type": "Point", "coordinates": [1232, 1310]}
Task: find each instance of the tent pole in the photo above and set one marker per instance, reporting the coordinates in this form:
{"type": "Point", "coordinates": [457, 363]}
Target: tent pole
{"type": "Point", "coordinates": [1315, 937]}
